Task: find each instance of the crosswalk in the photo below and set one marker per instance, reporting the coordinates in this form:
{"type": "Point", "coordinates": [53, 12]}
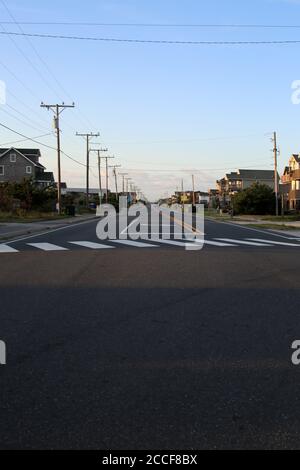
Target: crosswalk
{"type": "Point", "coordinates": [230, 243]}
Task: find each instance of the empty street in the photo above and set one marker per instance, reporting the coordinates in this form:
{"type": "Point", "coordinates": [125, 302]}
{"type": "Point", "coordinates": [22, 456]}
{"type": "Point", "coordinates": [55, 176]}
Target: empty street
{"type": "Point", "coordinates": [150, 347]}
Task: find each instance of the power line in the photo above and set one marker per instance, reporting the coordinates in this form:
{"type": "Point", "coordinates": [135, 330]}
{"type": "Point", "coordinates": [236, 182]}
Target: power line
{"type": "Point", "coordinates": [32, 139]}
{"type": "Point", "coordinates": [23, 115]}
{"type": "Point", "coordinates": [43, 62]}
{"type": "Point", "coordinates": [20, 120]}
{"type": "Point", "coordinates": [147, 170]}
{"type": "Point", "coordinates": [152, 25]}
{"type": "Point", "coordinates": [153, 41]}
{"type": "Point", "coordinates": [34, 111]}
{"type": "Point", "coordinates": [32, 65]}
{"type": "Point", "coordinates": [24, 140]}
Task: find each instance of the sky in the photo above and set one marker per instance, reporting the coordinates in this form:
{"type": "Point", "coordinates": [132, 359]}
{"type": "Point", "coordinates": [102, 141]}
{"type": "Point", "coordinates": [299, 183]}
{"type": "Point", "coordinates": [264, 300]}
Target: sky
{"type": "Point", "coordinates": [165, 111]}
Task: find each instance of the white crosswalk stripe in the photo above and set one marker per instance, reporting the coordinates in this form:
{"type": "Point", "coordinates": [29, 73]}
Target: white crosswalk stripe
{"type": "Point", "coordinates": [134, 243]}
{"type": "Point", "coordinates": [243, 242]}
{"type": "Point", "coordinates": [180, 243]}
{"type": "Point", "coordinates": [7, 249]}
{"type": "Point", "coordinates": [273, 243]}
{"type": "Point", "coordinates": [210, 242]}
{"type": "Point", "coordinates": [92, 245]}
{"type": "Point", "coordinates": [47, 247]}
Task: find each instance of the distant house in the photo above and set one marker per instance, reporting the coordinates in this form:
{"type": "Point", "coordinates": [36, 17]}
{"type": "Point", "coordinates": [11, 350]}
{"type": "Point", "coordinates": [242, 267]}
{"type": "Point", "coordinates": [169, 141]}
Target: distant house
{"type": "Point", "coordinates": [290, 187]}
{"type": "Point", "coordinates": [213, 198]}
{"type": "Point", "coordinates": [17, 164]}
{"type": "Point", "coordinates": [235, 182]}
{"type": "Point", "coordinates": [82, 192]}
{"type": "Point", "coordinates": [188, 197]}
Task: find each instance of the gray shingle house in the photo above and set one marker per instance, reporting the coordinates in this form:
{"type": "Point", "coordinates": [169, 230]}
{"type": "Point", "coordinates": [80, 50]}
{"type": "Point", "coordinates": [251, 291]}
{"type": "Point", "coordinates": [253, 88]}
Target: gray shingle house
{"type": "Point", "coordinates": [17, 164]}
{"type": "Point", "coordinates": [235, 182]}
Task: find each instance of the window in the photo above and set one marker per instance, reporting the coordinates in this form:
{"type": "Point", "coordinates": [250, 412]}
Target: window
{"type": "Point", "coordinates": [297, 184]}
{"type": "Point", "coordinates": [28, 170]}
{"type": "Point", "coordinates": [1, 170]}
{"type": "Point", "coordinates": [13, 157]}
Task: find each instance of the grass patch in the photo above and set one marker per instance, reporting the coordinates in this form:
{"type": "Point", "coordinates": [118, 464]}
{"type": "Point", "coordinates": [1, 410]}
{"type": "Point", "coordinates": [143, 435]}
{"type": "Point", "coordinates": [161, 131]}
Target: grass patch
{"type": "Point", "coordinates": [284, 218]}
{"type": "Point", "coordinates": [273, 226]}
{"type": "Point", "coordinates": [33, 216]}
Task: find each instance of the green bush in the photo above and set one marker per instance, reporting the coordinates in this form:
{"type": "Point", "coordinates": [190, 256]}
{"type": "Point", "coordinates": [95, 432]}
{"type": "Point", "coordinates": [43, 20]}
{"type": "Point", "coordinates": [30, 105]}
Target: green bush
{"type": "Point", "coordinates": [259, 199]}
{"type": "Point", "coordinates": [26, 196]}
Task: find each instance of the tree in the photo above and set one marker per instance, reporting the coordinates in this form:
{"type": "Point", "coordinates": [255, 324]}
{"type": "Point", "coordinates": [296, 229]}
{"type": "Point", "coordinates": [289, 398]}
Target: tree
{"type": "Point", "coordinates": [259, 199]}
{"type": "Point", "coordinates": [28, 195]}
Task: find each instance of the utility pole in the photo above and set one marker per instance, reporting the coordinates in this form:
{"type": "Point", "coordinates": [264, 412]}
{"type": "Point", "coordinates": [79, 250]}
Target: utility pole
{"type": "Point", "coordinates": [193, 183]}
{"type": "Point", "coordinates": [106, 169]}
{"type": "Point", "coordinates": [275, 150]}
{"type": "Point", "coordinates": [99, 169]}
{"type": "Point", "coordinates": [114, 167]}
{"type": "Point", "coordinates": [87, 136]}
{"type": "Point", "coordinates": [127, 184]}
{"type": "Point", "coordinates": [57, 110]}
{"type": "Point", "coordinates": [123, 178]}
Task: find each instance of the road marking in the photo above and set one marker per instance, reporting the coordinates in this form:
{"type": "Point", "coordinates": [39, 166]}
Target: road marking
{"type": "Point", "coordinates": [47, 247]}
{"type": "Point", "coordinates": [274, 243]}
{"type": "Point", "coordinates": [171, 242]}
{"type": "Point", "coordinates": [210, 242]}
{"type": "Point", "coordinates": [243, 242]}
{"type": "Point", "coordinates": [40, 234]}
{"type": "Point", "coordinates": [232, 224]}
{"type": "Point", "coordinates": [128, 226]}
{"type": "Point", "coordinates": [133, 243]}
{"type": "Point", "coordinates": [92, 245]}
{"type": "Point", "coordinates": [7, 249]}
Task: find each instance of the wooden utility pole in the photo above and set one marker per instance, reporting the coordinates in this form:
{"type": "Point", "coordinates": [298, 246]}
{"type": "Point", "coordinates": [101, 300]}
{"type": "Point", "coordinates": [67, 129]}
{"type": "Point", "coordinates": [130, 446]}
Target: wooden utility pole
{"type": "Point", "coordinates": [193, 182]}
{"type": "Point", "coordinates": [87, 136]}
{"type": "Point", "coordinates": [127, 184]}
{"type": "Point", "coordinates": [123, 182]}
{"type": "Point", "coordinates": [106, 167]}
{"type": "Point", "coordinates": [99, 169]}
{"type": "Point", "coordinates": [57, 110]}
{"type": "Point", "coordinates": [114, 167]}
{"type": "Point", "coordinates": [275, 150]}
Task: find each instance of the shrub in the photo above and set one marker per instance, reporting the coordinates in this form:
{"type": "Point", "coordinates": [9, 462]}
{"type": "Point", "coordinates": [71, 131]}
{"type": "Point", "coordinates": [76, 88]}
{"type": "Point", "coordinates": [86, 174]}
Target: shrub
{"type": "Point", "coordinates": [259, 199]}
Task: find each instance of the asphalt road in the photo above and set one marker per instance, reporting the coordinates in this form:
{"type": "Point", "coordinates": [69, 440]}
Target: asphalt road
{"type": "Point", "coordinates": [157, 347]}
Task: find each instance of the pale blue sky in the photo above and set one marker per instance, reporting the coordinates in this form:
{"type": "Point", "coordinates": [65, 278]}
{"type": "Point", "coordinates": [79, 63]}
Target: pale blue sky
{"type": "Point", "coordinates": [200, 109]}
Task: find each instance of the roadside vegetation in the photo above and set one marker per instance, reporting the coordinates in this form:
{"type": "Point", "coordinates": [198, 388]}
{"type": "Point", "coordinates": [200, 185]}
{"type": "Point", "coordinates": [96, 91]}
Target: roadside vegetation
{"type": "Point", "coordinates": [255, 207]}
{"type": "Point", "coordinates": [26, 202]}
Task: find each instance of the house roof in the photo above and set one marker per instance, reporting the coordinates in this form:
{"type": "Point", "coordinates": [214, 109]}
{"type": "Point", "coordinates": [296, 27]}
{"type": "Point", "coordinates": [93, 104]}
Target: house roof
{"type": "Point", "coordinates": [257, 174]}
{"type": "Point", "coordinates": [26, 153]}
{"type": "Point", "coordinates": [46, 176]}
{"type": "Point", "coordinates": [296, 157]}
{"type": "Point", "coordinates": [232, 176]}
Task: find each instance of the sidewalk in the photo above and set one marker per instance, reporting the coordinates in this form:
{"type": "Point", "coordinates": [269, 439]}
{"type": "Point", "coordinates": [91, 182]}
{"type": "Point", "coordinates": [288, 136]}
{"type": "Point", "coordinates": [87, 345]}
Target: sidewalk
{"type": "Point", "coordinates": [11, 230]}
